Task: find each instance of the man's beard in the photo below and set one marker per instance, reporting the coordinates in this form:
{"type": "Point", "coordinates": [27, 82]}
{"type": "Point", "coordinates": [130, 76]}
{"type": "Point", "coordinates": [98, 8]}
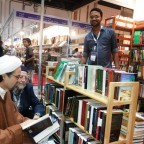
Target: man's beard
{"type": "Point", "coordinates": [20, 86]}
{"type": "Point", "coordinates": [17, 89]}
{"type": "Point", "coordinates": [95, 24]}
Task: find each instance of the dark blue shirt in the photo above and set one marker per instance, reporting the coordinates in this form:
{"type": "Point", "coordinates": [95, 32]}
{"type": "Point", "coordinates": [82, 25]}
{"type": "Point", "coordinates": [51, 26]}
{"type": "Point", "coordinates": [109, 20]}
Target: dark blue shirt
{"type": "Point", "coordinates": [105, 45]}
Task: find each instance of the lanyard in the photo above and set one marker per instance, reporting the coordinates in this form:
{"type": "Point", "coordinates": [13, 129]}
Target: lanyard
{"type": "Point", "coordinates": [95, 39]}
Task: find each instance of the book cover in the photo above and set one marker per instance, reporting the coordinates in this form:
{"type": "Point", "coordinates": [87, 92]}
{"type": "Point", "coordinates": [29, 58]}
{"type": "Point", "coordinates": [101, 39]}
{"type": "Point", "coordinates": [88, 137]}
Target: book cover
{"type": "Point", "coordinates": [124, 92]}
{"type": "Point", "coordinates": [68, 93]}
{"type": "Point", "coordinates": [67, 124]}
{"type": "Point", "coordinates": [81, 76]}
{"type": "Point", "coordinates": [99, 81]}
{"type": "Point", "coordinates": [91, 78]}
{"type": "Point", "coordinates": [115, 125]}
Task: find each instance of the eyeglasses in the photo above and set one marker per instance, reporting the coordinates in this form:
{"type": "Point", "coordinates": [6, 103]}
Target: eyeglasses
{"type": "Point", "coordinates": [16, 76]}
{"type": "Point", "coordinates": [23, 77]}
{"type": "Point", "coordinates": [96, 17]}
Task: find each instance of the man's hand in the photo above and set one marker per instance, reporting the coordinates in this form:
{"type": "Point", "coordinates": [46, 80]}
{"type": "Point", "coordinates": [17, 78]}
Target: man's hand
{"type": "Point", "coordinates": [26, 122]}
{"type": "Point", "coordinates": [36, 117]}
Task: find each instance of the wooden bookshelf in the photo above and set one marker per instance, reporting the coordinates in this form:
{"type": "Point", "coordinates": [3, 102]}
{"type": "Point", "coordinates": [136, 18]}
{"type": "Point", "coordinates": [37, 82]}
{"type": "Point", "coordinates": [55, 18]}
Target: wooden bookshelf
{"type": "Point", "coordinates": [122, 25]}
{"type": "Point", "coordinates": [110, 102]}
{"type": "Point", "coordinates": [52, 79]}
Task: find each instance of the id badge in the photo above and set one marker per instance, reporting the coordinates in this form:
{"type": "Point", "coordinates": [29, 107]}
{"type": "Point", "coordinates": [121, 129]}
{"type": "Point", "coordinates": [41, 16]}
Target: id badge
{"type": "Point", "coordinates": [93, 56]}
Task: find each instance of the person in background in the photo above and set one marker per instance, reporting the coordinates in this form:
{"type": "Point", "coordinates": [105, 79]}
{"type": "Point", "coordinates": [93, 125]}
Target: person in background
{"type": "Point", "coordinates": [13, 50]}
{"type": "Point", "coordinates": [100, 45]}
{"type": "Point", "coordinates": [11, 121]}
{"type": "Point", "coordinates": [29, 57]}
{"type": "Point", "coordinates": [76, 53]}
{"type": "Point", "coordinates": [1, 48]}
{"type": "Point", "coordinates": [25, 99]}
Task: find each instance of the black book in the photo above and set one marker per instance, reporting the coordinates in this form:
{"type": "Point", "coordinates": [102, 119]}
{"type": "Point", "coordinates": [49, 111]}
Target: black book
{"type": "Point", "coordinates": [52, 89]}
{"type": "Point", "coordinates": [76, 106]}
{"type": "Point", "coordinates": [68, 93]}
{"type": "Point", "coordinates": [67, 124]}
{"type": "Point", "coordinates": [97, 107]}
{"type": "Point", "coordinates": [115, 125]}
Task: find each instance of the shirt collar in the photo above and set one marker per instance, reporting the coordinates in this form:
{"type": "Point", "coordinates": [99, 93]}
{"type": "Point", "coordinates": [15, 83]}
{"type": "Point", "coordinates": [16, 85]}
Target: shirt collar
{"type": "Point", "coordinates": [2, 93]}
{"type": "Point", "coordinates": [102, 28]}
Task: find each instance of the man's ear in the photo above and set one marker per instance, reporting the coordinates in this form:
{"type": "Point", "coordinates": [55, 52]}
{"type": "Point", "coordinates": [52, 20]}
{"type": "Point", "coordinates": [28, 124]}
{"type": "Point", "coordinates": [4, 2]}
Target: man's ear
{"type": "Point", "coordinates": [4, 76]}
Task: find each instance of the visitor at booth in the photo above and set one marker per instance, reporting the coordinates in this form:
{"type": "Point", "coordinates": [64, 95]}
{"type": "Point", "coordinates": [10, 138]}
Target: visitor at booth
{"type": "Point", "coordinates": [25, 99]}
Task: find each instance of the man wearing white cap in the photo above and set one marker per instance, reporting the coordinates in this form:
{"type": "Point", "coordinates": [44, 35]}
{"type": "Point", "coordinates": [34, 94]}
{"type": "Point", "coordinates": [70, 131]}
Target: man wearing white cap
{"type": "Point", "coordinates": [11, 121]}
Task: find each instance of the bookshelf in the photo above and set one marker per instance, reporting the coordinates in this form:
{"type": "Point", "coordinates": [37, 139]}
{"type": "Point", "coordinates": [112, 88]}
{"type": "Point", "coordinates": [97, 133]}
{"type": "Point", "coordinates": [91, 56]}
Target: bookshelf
{"type": "Point", "coordinates": [123, 27]}
{"type": "Point", "coordinates": [137, 59]}
{"type": "Point", "coordinates": [110, 102]}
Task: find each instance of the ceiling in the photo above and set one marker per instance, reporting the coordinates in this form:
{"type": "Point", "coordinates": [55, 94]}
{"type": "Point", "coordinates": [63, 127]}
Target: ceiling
{"type": "Point", "coordinates": [70, 5]}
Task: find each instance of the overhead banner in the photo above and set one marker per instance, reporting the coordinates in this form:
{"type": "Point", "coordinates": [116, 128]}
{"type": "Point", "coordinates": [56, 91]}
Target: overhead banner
{"type": "Point", "coordinates": [50, 19]}
{"type": "Point", "coordinates": [80, 25]}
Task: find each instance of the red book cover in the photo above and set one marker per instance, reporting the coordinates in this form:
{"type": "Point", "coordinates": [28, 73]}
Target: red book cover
{"type": "Point", "coordinates": [80, 141]}
{"type": "Point", "coordinates": [83, 112]}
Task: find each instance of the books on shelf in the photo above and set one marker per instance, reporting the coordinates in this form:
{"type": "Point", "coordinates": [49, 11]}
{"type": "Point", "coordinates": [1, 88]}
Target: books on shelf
{"type": "Point", "coordinates": [86, 112]}
{"type": "Point", "coordinates": [40, 130]}
{"type": "Point", "coordinates": [138, 136]}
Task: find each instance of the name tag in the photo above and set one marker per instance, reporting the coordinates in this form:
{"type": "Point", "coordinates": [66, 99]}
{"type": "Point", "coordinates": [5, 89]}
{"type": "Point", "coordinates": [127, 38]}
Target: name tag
{"type": "Point", "coordinates": [93, 56]}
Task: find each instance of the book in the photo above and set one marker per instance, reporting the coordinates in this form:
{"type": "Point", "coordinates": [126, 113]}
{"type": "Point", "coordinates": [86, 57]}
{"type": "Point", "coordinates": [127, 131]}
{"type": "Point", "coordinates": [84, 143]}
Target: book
{"type": "Point", "coordinates": [124, 92]}
{"type": "Point", "coordinates": [40, 130]}
{"type": "Point", "coordinates": [115, 125]}
{"type": "Point", "coordinates": [91, 78]}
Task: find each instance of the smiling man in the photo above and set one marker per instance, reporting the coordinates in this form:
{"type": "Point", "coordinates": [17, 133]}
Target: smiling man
{"type": "Point", "coordinates": [100, 43]}
{"type": "Point", "coordinates": [11, 120]}
{"type": "Point", "coordinates": [25, 99]}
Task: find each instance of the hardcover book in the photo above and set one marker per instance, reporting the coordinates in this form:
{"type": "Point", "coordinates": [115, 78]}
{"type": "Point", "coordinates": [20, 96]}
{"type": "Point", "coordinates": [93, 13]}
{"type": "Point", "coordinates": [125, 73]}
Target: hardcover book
{"type": "Point", "coordinates": [40, 130]}
{"type": "Point", "coordinates": [115, 125]}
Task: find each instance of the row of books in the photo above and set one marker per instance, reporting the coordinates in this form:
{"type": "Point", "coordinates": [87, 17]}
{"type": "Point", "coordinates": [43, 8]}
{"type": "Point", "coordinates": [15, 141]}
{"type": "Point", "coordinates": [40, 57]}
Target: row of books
{"type": "Point", "coordinates": [137, 68]}
{"type": "Point", "coordinates": [138, 137]}
{"type": "Point", "coordinates": [54, 93]}
{"type": "Point", "coordinates": [91, 115]}
{"type": "Point", "coordinates": [97, 78]}
{"type": "Point", "coordinates": [86, 112]}
{"type": "Point", "coordinates": [74, 135]}
{"type": "Point", "coordinates": [138, 37]}
{"type": "Point", "coordinates": [137, 54]}
{"type": "Point", "coordinates": [64, 66]}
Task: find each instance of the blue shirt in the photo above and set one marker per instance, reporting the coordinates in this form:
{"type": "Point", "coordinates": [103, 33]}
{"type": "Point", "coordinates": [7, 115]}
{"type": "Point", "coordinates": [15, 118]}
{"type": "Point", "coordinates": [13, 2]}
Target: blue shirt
{"type": "Point", "coordinates": [105, 45]}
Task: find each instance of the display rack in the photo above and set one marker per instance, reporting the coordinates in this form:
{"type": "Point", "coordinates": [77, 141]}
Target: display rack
{"type": "Point", "coordinates": [110, 102]}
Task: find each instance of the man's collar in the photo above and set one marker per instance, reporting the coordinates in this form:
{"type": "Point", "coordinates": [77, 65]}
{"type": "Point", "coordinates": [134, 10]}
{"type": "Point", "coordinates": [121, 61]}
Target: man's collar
{"type": "Point", "coordinates": [102, 28]}
{"type": "Point", "coordinates": [2, 93]}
